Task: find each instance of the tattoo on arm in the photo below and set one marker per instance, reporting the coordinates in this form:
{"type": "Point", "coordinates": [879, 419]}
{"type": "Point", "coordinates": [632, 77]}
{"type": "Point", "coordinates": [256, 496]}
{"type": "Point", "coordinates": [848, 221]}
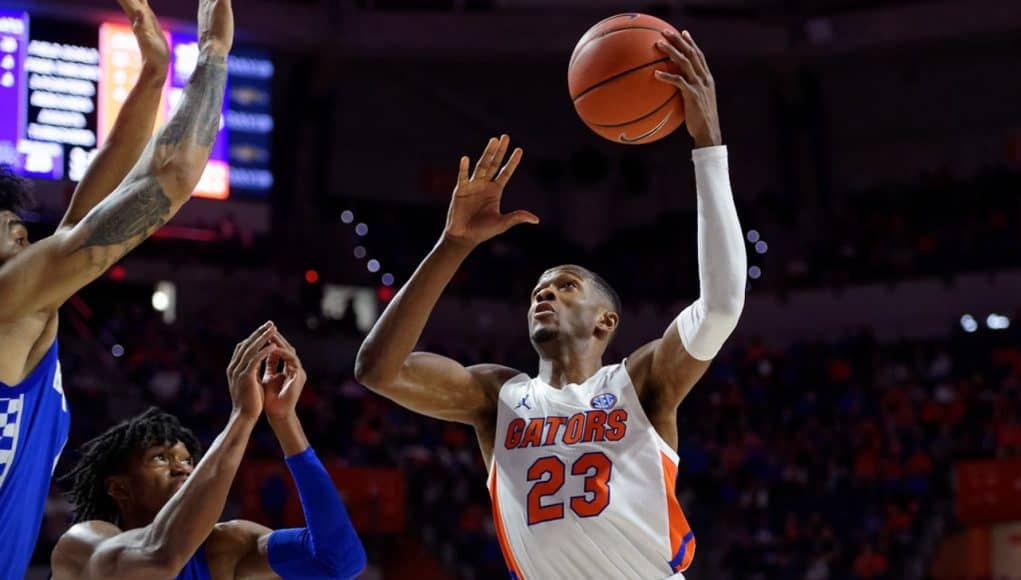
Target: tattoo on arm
{"type": "Point", "coordinates": [198, 116]}
{"type": "Point", "coordinates": [140, 204]}
{"type": "Point", "coordinates": [138, 209]}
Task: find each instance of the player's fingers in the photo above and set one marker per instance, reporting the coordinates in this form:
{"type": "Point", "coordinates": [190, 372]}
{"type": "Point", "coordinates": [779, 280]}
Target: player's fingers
{"type": "Point", "coordinates": [680, 59]}
{"type": "Point", "coordinates": [250, 362]}
{"type": "Point", "coordinates": [462, 170]}
{"type": "Point", "coordinates": [234, 356]}
{"type": "Point", "coordinates": [252, 348]}
{"type": "Point", "coordinates": [292, 365]}
{"type": "Point", "coordinates": [290, 376]}
{"type": "Point", "coordinates": [512, 164]}
{"type": "Point", "coordinates": [289, 355]}
{"type": "Point", "coordinates": [690, 50]}
{"type": "Point", "coordinates": [235, 359]}
{"type": "Point", "coordinates": [698, 51]}
{"type": "Point", "coordinates": [482, 164]}
{"type": "Point", "coordinates": [501, 152]}
{"type": "Point", "coordinates": [518, 217]}
{"type": "Point", "coordinates": [492, 159]}
{"type": "Point", "coordinates": [680, 42]}
{"type": "Point", "coordinates": [286, 352]}
{"type": "Point", "coordinates": [272, 362]}
{"type": "Point", "coordinates": [676, 80]}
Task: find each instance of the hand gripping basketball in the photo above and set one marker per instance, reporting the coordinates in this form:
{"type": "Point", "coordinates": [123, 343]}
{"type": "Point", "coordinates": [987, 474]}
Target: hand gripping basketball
{"type": "Point", "coordinates": [696, 84]}
{"type": "Point", "coordinates": [474, 215]}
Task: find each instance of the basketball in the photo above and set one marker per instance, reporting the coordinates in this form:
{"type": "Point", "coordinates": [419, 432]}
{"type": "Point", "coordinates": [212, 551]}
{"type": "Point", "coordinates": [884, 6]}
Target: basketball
{"type": "Point", "coordinates": [612, 83]}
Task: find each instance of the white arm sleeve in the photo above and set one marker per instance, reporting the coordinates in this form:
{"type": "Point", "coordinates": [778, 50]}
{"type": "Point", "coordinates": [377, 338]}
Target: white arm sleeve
{"type": "Point", "coordinates": [722, 262]}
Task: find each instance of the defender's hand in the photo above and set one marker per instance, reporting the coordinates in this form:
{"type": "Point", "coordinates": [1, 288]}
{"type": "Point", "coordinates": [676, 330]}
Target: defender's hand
{"type": "Point", "coordinates": [243, 371]}
{"type": "Point", "coordinates": [697, 87]}
{"type": "Point", "coordinates": [474, 215]}
{"type": "Point", "coordinates": [282, 389]}
{"type": "Point", "coordinates": [151, 41]}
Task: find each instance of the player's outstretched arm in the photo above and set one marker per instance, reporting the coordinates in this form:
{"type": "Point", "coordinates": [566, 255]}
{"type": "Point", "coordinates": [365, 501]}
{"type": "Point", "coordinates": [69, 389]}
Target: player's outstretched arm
{"type": "Point", "coordinates": [45, 275]}
{"type": "Point", "coordinates": [674, 363]}
{"type": "Point", "coordinates": [328, 547]}
{"type": "Point", "coordinates": [133, 126]}
{"type": "Point", "coordinates": [428, 383]}
{"type": "Point", "coordinates": [101, 550]}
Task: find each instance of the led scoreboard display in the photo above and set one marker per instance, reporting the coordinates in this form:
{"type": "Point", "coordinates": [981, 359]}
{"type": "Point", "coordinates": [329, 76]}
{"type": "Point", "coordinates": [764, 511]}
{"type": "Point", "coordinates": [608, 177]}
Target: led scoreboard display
{"type": "Point", "coordinates": [62, 85]}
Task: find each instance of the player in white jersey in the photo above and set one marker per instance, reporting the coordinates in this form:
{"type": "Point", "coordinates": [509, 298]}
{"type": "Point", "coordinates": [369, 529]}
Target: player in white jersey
{"type": "Point", "coordinates": [581, 457]}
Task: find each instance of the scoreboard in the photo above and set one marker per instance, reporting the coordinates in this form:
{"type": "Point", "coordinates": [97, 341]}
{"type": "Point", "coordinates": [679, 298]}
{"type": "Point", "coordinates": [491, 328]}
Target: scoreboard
{"type": "Point", "coordinates": [62, 84]}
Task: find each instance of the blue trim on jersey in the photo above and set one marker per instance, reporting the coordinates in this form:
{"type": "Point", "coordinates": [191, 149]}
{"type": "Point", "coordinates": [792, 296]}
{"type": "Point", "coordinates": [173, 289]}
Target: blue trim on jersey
{"type": "Point", "coordinates": [682, 550]}
{"type": "Point", "coordinates": [34, 378]}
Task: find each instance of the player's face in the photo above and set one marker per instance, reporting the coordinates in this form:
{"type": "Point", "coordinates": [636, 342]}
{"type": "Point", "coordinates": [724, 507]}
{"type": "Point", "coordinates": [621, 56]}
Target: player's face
{"type": "Point", "coordinates": [157, 475]}
{"type": "Point", "coordinates": [564, 303]}
{"type": "Point", "coordinates": [13, 235]}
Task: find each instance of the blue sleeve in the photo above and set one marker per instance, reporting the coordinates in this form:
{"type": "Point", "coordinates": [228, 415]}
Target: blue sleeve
{"type": "Point", "coordinates": [328, 547]}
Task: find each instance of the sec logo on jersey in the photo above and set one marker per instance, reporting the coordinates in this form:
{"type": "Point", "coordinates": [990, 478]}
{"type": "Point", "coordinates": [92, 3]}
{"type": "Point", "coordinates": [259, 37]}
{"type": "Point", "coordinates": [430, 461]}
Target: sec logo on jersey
{"type": "Point", "coordinates": [604, 401]}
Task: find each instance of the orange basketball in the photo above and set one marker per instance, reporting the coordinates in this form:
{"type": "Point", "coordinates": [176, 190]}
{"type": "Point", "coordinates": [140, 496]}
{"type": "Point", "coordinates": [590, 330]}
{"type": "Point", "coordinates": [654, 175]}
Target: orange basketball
{"type": "Point", "coordinates": [612, 84]}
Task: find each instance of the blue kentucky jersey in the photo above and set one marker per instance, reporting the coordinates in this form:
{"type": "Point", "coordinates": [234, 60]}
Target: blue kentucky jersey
{"type": "Point", "coordinates": [34, 421]}
{"type": "Point", "coordinates": [197, 568]}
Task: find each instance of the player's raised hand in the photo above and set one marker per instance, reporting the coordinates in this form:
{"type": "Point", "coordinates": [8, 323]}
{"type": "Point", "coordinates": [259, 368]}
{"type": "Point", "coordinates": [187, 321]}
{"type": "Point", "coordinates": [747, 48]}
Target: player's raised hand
{"type": "Point", "coordinates": [474, 215]}
{"type": "Point", "coordinates": [216, 27]}
{"type": "Point", "coordinates": [282, 388]}
{"type": "Point", "coordinates": [151, 41]}
{"type": "Point", "coordinates": [696, 84]}
{"type": "Point", "coordinates": [243, 371]}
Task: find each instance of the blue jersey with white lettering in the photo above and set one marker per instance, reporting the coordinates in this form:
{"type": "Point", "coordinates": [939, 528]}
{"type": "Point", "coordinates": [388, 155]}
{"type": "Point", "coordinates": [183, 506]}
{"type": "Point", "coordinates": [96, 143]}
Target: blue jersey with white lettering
{"type": "Point", "coordinates": [34, 421]}
{"type": "Point", "coordinates": [197, 568]}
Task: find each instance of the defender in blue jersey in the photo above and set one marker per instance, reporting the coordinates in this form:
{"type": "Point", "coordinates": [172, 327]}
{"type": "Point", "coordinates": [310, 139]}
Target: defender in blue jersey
{"type": "Point", "coordinates": [146, 511]}
{"type": "Point", "coordinates": [128, 191]}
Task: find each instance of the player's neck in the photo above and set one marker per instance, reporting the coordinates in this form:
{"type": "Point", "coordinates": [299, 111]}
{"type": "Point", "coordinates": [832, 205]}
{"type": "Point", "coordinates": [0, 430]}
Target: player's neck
{"type": "Point", "coordinates": [131, 520]}
{"type": "Point", "coordinates": [559, 366]}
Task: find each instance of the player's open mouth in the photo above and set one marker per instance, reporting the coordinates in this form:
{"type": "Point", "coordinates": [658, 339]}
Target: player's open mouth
{"type": "Point", "coordinates": [544, 309]}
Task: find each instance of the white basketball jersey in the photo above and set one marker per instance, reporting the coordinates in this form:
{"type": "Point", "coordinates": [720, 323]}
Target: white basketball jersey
{"type": "Point", "coordinates": [583, 486]}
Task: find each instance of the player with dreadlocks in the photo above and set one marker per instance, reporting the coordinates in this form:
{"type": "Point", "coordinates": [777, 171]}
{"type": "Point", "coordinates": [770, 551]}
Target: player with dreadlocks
{"type": "Point", "coordinates": [146, 506]}
{"type": "Point", "coordinates": [154, 434]}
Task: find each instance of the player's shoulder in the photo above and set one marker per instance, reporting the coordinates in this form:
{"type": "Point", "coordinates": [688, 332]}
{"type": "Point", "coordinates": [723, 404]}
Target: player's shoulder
{"type": "Point", "coordinates": [90, 532]}
{"type": "Point", "coordinates": [77, 545]}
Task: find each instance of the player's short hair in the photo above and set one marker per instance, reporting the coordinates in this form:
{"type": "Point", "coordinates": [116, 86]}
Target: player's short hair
{"type": "Point", "coordinates": [15, 192]}
{"type": "Point", "coordinates": [608, 291]}
{"type": "Point", "coordinates": [108, 454]}
{"type": "Point", "coordinates": [601, 284]}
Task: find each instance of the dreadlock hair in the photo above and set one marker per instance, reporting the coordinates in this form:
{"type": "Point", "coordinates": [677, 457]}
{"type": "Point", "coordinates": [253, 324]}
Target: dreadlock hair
{"type": "Point", "coordinates": [107, 455]}
{"type": "Point", "coordinates": [15, 192]}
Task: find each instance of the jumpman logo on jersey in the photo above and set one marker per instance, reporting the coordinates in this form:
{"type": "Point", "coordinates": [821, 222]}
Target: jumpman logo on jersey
{"type": "Point", "coordinates": [524, 402]}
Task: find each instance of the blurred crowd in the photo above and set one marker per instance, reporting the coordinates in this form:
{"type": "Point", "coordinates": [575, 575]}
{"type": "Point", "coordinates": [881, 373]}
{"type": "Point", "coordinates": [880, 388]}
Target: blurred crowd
{"type": "Point", "coordinates": [818, 461]}
{"type": "Point", "coordinates": [940, 226]}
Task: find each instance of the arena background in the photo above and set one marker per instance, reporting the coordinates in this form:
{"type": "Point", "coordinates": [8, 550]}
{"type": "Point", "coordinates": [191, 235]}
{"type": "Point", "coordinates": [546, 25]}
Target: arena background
{"type": "Point", "coordinates": [863, 422]}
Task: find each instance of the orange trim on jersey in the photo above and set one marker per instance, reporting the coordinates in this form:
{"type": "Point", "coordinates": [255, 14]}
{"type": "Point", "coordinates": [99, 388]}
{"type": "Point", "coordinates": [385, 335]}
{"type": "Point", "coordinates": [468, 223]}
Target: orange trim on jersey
{"type": "Point", "coordinates": [679, 528]}
{"type": "Point", "coordinates": [508, 556]}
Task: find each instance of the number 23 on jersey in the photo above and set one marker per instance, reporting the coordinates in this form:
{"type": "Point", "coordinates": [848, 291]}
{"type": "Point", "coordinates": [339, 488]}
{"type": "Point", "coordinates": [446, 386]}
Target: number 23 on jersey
{"type": "Point", "coordinates": [549, 474]}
